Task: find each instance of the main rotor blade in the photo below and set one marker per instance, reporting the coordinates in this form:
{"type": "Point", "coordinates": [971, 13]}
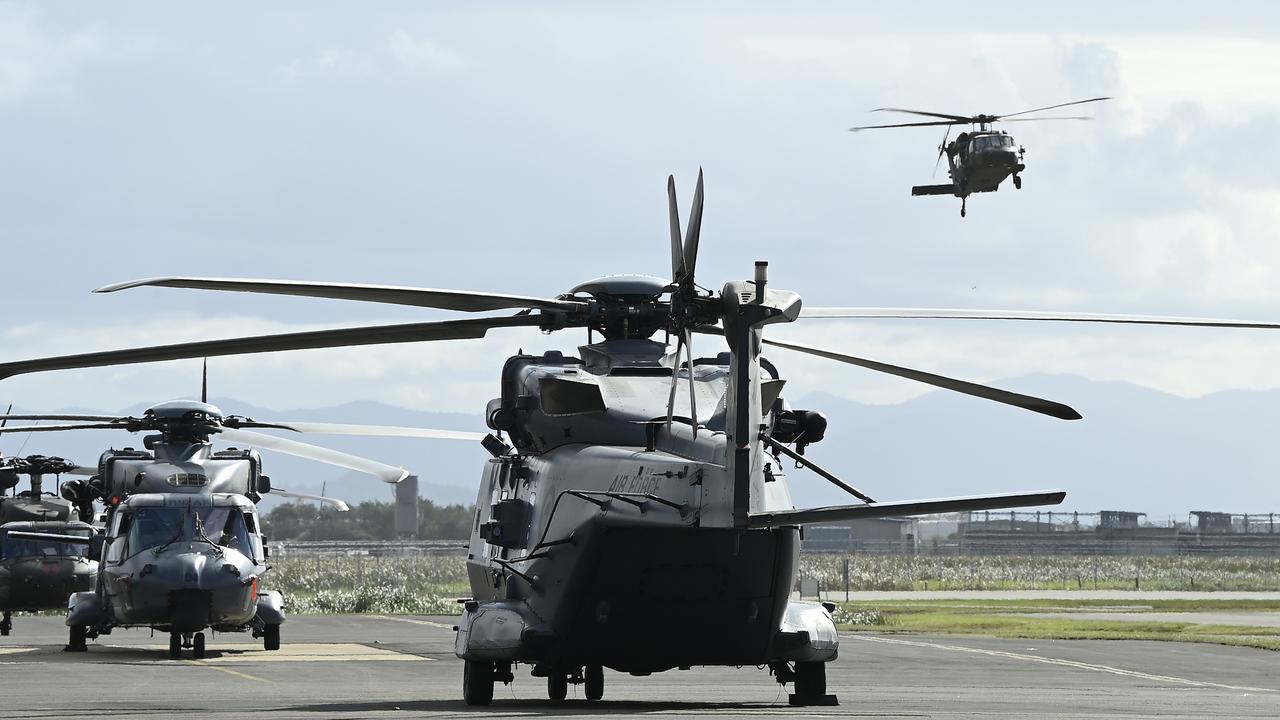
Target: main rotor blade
{"type": "Point", "coordinates": [854, 313]}
{"type": "Point", "coordinates": [677, 249]}
{"type": "Point", "coordinates": [919, 124]}
{"type": "Point", "coordinates": [57, 428]}
{"type": "Point", "coordinates": [1026, 402]}
{"type": "Point", "coordinates": [1050, 107]}
{"type": "Point", "coordinates": [56, 416]}
{"type": "Point", "coordinates": [947, 116]}
{"type": "Point", "coordinates": [1056, 117]}
{"type": "Point", "coordinates": [692, 233]}
{"type": "Point", "coordinates": [335, 503]}
{"type": "Point", "coordinates": [343, 337]}
{"type": "Point", "coordinates": [381, 431]}
{"type": "Point", "coordinates": [904, 508]}
{"type": "Point", "coordinates": [49, 537]}
{"type": "Point", "coordinates": [461, 300]}
{"type": "Point", "coordinates": [382, 471]}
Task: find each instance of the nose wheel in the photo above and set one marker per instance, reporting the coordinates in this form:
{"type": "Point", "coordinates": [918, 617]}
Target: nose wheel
{"type": "Point", "coordinates": [962, 207]}
{"type": "Point", "coordinates": [6, 625]}
{"type": "Point", "coordinates": [1017, 182]}
{"type": "Point", "coordinates": [178, 641]}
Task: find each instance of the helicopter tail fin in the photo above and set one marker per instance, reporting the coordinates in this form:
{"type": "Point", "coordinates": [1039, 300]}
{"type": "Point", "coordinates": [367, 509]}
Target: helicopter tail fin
{"type": "Point", "coordinates": [947, 189]}
{"type": "Point", "coordinates": [904, 508]}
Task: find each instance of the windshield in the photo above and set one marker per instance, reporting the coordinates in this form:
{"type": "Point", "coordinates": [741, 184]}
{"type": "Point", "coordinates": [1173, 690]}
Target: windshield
{"type": "Point", "coordinates": [11, 547]}
{"type": "Point", "coordinates": [157, 527]}
{"type": "Point", "coordinates": [225, 526]}
{"type": "Point", "coordinates": [992, 142]}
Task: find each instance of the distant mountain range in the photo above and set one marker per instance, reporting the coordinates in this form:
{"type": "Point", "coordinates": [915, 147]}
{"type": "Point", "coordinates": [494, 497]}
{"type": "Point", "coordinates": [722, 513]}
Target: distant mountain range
{"type": "Point", "coordinates": [1136, 448]}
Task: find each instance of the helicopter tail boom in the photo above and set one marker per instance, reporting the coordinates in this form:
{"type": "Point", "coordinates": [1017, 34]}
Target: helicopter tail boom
{"type": "Point", "coordinates": [903, 508]}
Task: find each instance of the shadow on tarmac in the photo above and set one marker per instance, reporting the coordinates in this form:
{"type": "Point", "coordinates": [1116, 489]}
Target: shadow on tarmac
{"type": "Point", "coordinates": [576, 707]}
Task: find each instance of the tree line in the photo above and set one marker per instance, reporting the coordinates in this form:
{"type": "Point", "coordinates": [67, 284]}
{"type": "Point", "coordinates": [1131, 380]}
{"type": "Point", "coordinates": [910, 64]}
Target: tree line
{"type": "Point", "coordinates": [370, 520]}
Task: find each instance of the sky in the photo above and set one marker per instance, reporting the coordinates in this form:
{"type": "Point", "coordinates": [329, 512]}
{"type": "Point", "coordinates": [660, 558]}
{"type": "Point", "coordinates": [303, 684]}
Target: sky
{"type": "Point", "coordinates": [524, 148]}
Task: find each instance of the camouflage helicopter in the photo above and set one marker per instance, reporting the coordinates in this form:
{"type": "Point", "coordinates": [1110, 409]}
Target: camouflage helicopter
{"type": "Point", "coordinates": [36, 572]}
{"type": "Point", "coordinates": [980, 159]}
{"type": "Point", "coordinates": [183, 548]}
{"type": "Point", "coordinates": [617, 525]}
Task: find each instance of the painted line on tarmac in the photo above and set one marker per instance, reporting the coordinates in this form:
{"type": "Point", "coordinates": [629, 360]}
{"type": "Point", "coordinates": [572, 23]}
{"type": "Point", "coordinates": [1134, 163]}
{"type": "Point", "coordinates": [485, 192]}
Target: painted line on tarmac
{"type": "Point", "coordinates": [1064, 663]}
{"type": "Point", "coordinates": [15, 650]}
{"type": "Point", "coordinates": [289, 652]}
{"type": "Point", "coordinates": [413, 621]}
{"type": "Point", "coordinates": [229, 671]}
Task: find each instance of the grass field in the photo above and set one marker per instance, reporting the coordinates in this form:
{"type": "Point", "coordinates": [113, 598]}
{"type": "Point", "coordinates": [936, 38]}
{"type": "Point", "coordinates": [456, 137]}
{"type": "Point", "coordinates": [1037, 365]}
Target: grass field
{"type": "Point", "coordinates": [1011, 618]}
{"type": "Point", "coordinates": [430, 585]}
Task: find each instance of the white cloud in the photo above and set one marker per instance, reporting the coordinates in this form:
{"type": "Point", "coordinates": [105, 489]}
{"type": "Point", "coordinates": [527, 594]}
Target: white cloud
{"type": "Point", "coordinates": [422, 54]}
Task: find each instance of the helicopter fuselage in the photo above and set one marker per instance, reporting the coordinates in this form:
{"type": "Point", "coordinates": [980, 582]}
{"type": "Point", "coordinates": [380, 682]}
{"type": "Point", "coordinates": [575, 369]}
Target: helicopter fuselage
{"type": "Point", "coordinates": [179, 563]}
{"type": "Point", "coordinates": [609, 537]}
{"type": "Point", "coordinates": [36, 575]}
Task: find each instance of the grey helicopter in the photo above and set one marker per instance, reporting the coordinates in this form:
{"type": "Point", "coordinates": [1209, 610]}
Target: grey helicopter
{"type": "Point", "coordinates": [183, 548]}
{"type": "Point", "coordinates": [617, 526]}
{"type": "Point", "coordinates": [980, 159]}
{"type": "Point", "coordinates": [37, 573]}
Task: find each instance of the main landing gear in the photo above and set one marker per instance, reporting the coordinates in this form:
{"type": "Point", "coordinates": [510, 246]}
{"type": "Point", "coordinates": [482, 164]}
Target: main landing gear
{"type": "Point", "coordinates": [590, 677]}
{"type": "Point", "coordinates": [478, 678]}
{"type": "Point", "coordinates": [1017, 182]}
{"type": "Point", "coordinates": [810, 682]}
{"type": "Point", "coordinates": [178, 641]}
{"type": "Point", "coordinates": [6, 625]}
{"type": "Point", "coordinates": [77, 641]}
{"type": "Point", "coordinates": [963, 201]}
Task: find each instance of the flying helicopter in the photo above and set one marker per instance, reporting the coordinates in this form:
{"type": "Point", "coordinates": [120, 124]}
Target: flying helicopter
{"type": "Point", "coordinates": [979, 159]}
{"type": "Point", "coordinates": [618, 525]}
{"type": "Point", "coordinates": [183, 549]}
{"type": "Point", "coordinates": [37, 573]}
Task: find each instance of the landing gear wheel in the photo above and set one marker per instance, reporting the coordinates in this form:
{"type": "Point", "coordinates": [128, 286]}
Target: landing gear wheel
{"type": "Point", "coordinates": [271, 637]}
{"type": "Point", "coordinates": [557, 686]}
{"type": "Point", "coordinates": [1017, 183]}
{"type": "Point", "coordinates": [76, 643]}
{"type": "Point", "coordinates": [962, 207]}
{"type": "Point", "coordinates": [6, 624]}
{"type": "Point", "coordinates": [593, 681]}
{"type": "Point", "coordinates": [175, 646]}
{"type": "Point", "coordinates": [477, 682]}
{"type": "Point", "coordinates": [811, 685]}
{"type": "Point", "coordinates": [197, 645]}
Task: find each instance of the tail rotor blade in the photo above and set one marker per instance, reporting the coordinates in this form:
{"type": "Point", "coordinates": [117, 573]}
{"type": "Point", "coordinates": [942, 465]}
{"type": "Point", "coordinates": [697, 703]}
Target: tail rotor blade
{"type": "Point", "coordinates": [675, 380]}
{"type": "Point", "coordinates": [677, 249]}
{"type": "Point", "coordinates": [687, 337]}
{"type": "Point", "coordinates": [693, 232]}
{"type": "Point", "coordinates": [941, 149]}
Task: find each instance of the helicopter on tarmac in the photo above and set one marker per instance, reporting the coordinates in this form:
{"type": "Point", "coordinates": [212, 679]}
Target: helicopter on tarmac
{"type": "Point", "coordinates": [980, 159]}
{"type": "Point", "coordinates": [183, 549]}
{"type": "Point", "coordinates": [617, 526]}
{"type": "Point", "coordinates": [35, 572]}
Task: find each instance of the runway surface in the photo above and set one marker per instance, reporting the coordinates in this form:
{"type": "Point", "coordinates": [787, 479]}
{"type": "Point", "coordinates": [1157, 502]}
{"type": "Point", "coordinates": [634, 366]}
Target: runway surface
{"type": "Point", "coordinates": [397, 667]}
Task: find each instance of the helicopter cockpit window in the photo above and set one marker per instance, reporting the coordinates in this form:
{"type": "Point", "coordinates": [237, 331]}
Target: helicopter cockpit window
{"type": "Point", "coordinates": [225, 526]}
{"type": "Point", "coordinates": [153, 527]}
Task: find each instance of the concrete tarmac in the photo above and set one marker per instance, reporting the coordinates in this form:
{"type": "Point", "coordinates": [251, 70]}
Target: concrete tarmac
{"type": "Point", "coordinates": [400, 667]}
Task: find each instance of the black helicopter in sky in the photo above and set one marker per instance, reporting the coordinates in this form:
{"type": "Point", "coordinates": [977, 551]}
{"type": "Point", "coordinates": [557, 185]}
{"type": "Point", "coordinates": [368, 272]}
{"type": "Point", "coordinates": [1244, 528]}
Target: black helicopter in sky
{"type": "Point", "coordinates": [980, 159]}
